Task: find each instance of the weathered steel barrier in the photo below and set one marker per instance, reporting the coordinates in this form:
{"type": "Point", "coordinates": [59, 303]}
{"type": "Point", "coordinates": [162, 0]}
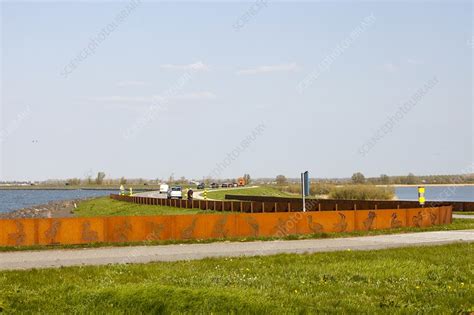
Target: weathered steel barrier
{"type": "Point", "coordinates": [23, 232]}
{"type": "Point", "coordinates": [337, 204]}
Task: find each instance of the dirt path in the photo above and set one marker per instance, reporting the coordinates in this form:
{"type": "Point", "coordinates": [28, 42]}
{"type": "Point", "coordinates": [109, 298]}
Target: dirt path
{"type": "Point", "coordinates": [145, 254]}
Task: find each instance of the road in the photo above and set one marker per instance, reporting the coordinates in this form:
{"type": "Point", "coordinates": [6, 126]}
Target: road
{"type": "Point", "coordinates": [145, 254]}
{"type": "Point", "coordinates": [463, 216]}
{"type": "Point", "coordinates": [196, 195]}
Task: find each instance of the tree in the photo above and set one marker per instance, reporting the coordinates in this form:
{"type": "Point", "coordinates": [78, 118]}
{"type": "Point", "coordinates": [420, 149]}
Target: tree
{"type": "Point", "coordinates": [281, 180]}
{"type": "Point", "coordinates": [123, 181]}
{"type": "Point", "coordinates": [384, 179]}
{"type": "Point", "coordinates": [410, 179]}
{"type": "Point", "coordinates": [100, 178]}
{"type": "Point", "coordinates": [358, 178]}
{"type": "Point", "coordinates": [247, 179]}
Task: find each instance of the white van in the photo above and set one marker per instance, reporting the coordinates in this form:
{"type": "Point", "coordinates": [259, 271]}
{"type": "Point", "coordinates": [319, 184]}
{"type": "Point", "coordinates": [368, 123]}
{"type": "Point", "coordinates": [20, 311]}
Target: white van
{"type": "Point", "coordinates": [164, 188]}
{"type": "Point", "coordinates": [175, 192]}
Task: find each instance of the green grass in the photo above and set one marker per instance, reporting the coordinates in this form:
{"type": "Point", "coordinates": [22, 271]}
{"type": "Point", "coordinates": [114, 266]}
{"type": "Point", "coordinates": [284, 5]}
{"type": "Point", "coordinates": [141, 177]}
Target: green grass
{"type": "Point", "coordinates": [458, 224]}
{"type": "Point", "coordinates": [436, 280]}
{"type": "Point", "coordinates": [464, 212]}
{"type": "Point", "coordinates": [105, 206]}
{"type": "Point", "coordinates": [256, 191]}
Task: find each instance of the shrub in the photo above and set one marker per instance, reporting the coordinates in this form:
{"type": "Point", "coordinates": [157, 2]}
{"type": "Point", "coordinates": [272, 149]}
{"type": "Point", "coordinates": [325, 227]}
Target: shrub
{"type": "Point", "coordinates": [362, 192]}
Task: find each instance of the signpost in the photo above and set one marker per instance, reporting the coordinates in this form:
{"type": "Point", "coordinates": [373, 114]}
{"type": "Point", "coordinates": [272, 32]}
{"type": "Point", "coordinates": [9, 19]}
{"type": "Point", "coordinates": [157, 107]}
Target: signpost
{"type": "Point", "coordinates": [421, 195]}
{"type": "Point", "coordinates": [304, 187]}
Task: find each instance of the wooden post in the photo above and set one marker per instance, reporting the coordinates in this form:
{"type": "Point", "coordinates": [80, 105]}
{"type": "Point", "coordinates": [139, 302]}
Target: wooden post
{"type": "Point", "coordinates": [232, 206]}
{"type": "Point", "coordinates": [241, 206]}
{"type": "Point", "coordinates": [276, 207]}
{"type": "Point", "coordinates": [199, 204]}
{"type": "Point", "coordinates": [251, 206]}
{"type": "Point", "coordinates": [289, 207]}
{"type": "Point", "coordinates": [355, 206]}
{"type": "Point", "coordinates": [319, 206]}
{"type": "Point", "coordinates": [336, 206]}
{"type": "Point", "coordinates": [263, 207]}
{"type": "Point", "coordinates": [375, 206]}
{"type": "Point", "coordinates": [223, 205]}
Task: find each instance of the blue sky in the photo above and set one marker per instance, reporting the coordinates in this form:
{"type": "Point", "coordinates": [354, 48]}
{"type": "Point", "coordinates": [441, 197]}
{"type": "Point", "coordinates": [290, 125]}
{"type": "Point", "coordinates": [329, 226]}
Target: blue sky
{"type": "Point", "coordinates": [213, 72]}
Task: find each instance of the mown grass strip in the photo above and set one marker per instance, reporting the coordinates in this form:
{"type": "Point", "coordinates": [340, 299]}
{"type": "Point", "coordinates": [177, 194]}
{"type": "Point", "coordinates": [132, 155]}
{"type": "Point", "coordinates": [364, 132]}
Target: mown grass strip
{"type": "Point", "coordinates": [437, 280]}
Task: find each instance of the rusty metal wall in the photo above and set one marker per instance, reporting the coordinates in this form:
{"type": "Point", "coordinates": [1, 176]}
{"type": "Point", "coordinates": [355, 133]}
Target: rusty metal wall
{"type": "Point", "coordinates": [330, 204]}
{"type": "Point", "coordinates": [23, 232]}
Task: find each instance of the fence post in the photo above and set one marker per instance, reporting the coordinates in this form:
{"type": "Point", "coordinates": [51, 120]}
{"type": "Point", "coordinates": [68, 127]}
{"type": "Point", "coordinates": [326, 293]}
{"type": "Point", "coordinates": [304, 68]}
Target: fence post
{"type": "Point", "coordinates": [276, 207]}
{"type": "Point", "coordinates": [289, 207]}
{"type": "Point", "coordinates": [251, 206]}
{"type": "Point", "coordinates": [241, 206]}
{"type": "Point", "coordinates": [263, 206]}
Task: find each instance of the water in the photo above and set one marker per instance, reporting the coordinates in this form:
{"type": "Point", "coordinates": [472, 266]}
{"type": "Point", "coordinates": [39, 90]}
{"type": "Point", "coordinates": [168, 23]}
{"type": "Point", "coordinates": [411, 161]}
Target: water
{"type": "Point", "coordinates": [437, 193]}
{"type": "Point", "coordinates": [17, 199]}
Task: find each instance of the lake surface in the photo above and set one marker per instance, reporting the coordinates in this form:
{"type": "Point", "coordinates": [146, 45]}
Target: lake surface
{"type": "Point", "coordinates": [17, 199]}
{"type": "Point", "coordinates": [437, 193]}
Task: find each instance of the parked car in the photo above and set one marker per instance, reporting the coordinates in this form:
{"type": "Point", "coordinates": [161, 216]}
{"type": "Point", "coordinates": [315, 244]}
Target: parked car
{"type": "Point", "coordinates": [235, 185]}
{"type": "Point", "coordinates": [175, 192]}
{"type": "Point", "coordinates": [201, 186]}
{"type": "Point", "coordinates": [225, 185]}
{"type": "Point", "coordinates": [164, 189]}
{"type": "Point", "coordinates": [214, 186]}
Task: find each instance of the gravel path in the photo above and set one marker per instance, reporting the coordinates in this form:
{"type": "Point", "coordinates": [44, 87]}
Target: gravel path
{"type": "Point", "coordinates": [145, 254]}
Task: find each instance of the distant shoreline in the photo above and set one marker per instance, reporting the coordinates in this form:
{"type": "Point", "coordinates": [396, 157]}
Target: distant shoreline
{"type": "Point", "coordinates": [426, 185]}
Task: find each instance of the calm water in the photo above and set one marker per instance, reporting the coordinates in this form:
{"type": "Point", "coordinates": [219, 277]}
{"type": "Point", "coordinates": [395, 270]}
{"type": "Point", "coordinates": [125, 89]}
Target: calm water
{"type": "Point", "coordinates": [437, 193]}
{"type": "Point", "coordinates": [17, 199]}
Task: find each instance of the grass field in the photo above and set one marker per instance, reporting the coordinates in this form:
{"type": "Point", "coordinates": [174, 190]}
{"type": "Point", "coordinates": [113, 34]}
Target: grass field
{"type": "Point", "coordinates": [466, 212]}
{"type": "Point", "coordinates": [437, 280]}
{"type": "Point", "coordinates": [255, 191]}
{"type": "Point", "coordinates": [105, 206]}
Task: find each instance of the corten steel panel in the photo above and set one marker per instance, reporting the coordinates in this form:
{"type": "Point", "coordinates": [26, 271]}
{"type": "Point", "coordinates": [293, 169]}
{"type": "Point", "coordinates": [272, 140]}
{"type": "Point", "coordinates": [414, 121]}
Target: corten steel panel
{"type": "Point", "coordinates": [157, 227]}
{"type": "Point", "coordinates": [234, 206]}
{"type": "Point", "coordinates": [142, 228]}
{"type": "Point", "coordinates": [278, 224]}
{"type": "Point", "coordinates": [71, 230]}
{"type": "Point", "coordinates": [18, 232]}
{"type": "Point", "coordinates": [366, 220]}
{"type": "Point", "coordinates": [422, 217]}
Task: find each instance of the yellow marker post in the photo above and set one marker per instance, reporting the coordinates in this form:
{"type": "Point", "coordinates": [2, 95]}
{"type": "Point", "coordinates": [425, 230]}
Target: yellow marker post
{"type": "Point", "coordinates": [205, 194]}
{"type": "Point", "coordinates": [421, 195]}
{"type": "Point", "coordinates": [131, 191]}
{"type": "Point", "coordinates": [122, 190]}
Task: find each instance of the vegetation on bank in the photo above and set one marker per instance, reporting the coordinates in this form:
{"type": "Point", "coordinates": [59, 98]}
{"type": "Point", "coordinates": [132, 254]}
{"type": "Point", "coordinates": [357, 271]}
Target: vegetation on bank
{"type": "Point", "coordinates": [105, 206]}
{"type": "Point", "coordinates": [362, 192]}
{"type": "Point", "coordinates": [409, 280]}
{"type": "Point", "coordinates": [458, 224]}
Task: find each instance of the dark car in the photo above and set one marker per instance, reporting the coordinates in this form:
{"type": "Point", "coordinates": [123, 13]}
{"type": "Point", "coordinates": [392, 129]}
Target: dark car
{"type": "Point", "coordinates": [214, 185]}
{"type": "Point", "coordinates": [201, 186]}
{"type": "Point", "coordinates": [225, 185]}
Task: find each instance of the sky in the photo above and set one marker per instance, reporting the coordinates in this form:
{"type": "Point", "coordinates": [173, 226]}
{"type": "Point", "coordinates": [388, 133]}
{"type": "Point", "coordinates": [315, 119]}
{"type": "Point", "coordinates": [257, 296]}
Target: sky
{"type": "Point", "coordinates": [197, 89]}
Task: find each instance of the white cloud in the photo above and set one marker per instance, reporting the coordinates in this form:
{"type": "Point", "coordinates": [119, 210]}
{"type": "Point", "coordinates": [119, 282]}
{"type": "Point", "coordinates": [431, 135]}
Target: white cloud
{"type": "Point", "coordinates": [131, 83]}
{"type": "Point", "coordinates": [290, 67]}
{"type": "Point", "coordinates": [197, 66]}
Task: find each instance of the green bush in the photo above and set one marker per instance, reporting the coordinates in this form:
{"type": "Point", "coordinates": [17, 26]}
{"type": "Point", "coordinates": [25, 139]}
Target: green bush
{"type": "Point", "coordinates": [362, 192]}
{"type": "Point", "coordinates": [314, 189]}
